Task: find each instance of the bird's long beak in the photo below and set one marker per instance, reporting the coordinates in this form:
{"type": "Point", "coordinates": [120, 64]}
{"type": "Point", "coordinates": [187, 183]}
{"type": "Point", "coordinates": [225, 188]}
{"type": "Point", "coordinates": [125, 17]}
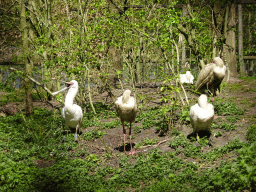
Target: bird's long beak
{"type": "Point", "coordinates": [69, 84]}
{"type": "Point", "coordinates": [55, 93]}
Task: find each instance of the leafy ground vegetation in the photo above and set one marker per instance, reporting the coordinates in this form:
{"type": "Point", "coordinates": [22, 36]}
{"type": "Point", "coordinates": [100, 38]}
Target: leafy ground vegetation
{"type": "Point", "coordinates": [168, 157]}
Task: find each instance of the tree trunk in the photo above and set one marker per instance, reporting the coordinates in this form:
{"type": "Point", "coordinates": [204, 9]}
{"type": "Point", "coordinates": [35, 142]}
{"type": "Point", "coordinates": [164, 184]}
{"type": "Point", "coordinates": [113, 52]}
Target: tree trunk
{"type": "Point", "coordinates": [138, 62]}
{"type": "Point", "coordinates": [251, 62]}
{"type": "Point", "coordinates": [115, 57]}
{"type": "Point", "coordinates": [230, 48]}
{"type": "Point", "coordinates": [214, 47]}
{"type": "Point", "coordinates": [218, 23]}
{"type": "Point", "coordinates": [240, 41]}
{"type": "Point", "coordinates": [190, 37]}
{"type": "Point", "coordinates": [183, 46]}
{"type": "Point", "coordinates": [28, 67]}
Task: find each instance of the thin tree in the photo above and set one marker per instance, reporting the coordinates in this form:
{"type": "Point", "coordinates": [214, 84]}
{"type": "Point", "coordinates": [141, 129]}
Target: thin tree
{"type": "Point", "coordinates": [28, 68]}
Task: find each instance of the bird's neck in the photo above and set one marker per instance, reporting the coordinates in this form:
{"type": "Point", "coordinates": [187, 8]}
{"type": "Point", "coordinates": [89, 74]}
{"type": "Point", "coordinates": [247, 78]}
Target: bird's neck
{"type": "Point", "coordinates": [125, 98]}
{"type": "Point", "coordinates": [188, 76]}
{"type": "Point", "coordinates": [219, 63]}
{"type": "Point", "coordinates": [70, 98]}
{"type": "Point", "coordinates": [203, 104]}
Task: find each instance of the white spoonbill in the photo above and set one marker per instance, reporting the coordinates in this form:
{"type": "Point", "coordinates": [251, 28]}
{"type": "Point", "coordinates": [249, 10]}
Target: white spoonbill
{"type": "Point", "coordinates": [201, 115]}
{"type": "Point", "coordinates": [126, 109]}
{"type": "Point", "coordinates": [211, 76]}
{"type": "Point", "coordinates": [72, 114]}
{"type": "Point", "coordinates": [187, 78]}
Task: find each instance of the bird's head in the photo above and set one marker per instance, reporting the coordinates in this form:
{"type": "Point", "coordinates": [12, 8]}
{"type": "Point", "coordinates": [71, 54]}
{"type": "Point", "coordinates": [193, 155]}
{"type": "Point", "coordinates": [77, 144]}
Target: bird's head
{"type": "Point", "coordinates": [188, 74]}
{"type": "Point", "coordinates": [202, 101]}
{"type": "Point", "coordinates": [218, 61]}
{"type": "Point", "coordinates": [126, 96]}
{"type": "Point", "coordinates": [72, 84]}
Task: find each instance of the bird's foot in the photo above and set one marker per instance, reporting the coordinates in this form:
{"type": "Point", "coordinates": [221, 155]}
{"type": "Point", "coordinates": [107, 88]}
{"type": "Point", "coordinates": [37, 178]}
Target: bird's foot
{"type": "Point", "coordinates": [132, 152]}
{"type": "Point", "coordinates": [197, 140]}
{"type": "Point", "coordinates": [197, 137]}
{"type": "Point", "coordinates": [76, 140]}
{"type": "Point", "coordinates": [215, 117]}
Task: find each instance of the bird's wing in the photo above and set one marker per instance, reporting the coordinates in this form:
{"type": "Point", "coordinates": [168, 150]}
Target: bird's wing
{"type": "Point", "coordinates": [193, 110]}
{"type": "Point", "coordinates": [191, 79]}
{"type": "Point", "coordinates": [210, 109]}
{"type": "Point", "coordinates": [117, 105]}
{"type": "Point", "coordinates": [183, 78]}
{"type": "Point", "coordinates": [135, 107]}
{"type": "Point", "coordinates": [200, 115]}
{"type": "Point", "coordinates": [206, 116]}
{"type": "Point", "coordinates": [205, 75]}
{"type": "Point", "coordinates": [78, 112]}
{"type": "Point", "coordinates": [191, 114]}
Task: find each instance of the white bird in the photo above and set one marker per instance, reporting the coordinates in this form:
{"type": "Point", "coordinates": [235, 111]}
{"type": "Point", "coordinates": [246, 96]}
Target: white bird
{"type": "Point", "coordinates": [72, 114]}
{"type": "Point", "coordinates": [211, 76]}
{"type": "Point", "coordinates": [126, 109]}
{"type": "Point", "coordinates": [187, 78]}
{"type": "Point", "coordinates": [201, 115]}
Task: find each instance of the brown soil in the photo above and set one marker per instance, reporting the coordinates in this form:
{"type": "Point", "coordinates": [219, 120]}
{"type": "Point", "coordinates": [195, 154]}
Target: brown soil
{"type": "Point", "coordinates": [244, 97]}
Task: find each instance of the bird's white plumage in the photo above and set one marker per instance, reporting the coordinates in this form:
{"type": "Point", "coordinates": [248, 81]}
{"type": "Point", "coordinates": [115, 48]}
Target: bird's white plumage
{"type": "Point", "coordinates": [126, 109]}
{"type": "Point", "coordinates": [220, 68]}
{"type": "Point", "coordinates": [72, 113]}
{"type": "Point", "coordinates": [201, 114]}
{"type": "Point", "coordinates": [187, 78]}
{"type": "Point", "coordinates": [72, 117]}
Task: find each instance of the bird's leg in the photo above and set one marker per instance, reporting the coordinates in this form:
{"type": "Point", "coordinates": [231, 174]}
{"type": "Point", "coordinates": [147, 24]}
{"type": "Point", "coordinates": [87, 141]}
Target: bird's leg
{"type": "Point", "coordinates": [197, 139]}
{"type": "Point", "coordinates": [77, 127]}
{"type": "Point", "coordinates": [209, 91]}
{"type": "Point", "coordinates": [197, 136]}
{"type": "Point", "coordinates": [124, 132]}
{"type": "Point", "coordinates": [130, 134]}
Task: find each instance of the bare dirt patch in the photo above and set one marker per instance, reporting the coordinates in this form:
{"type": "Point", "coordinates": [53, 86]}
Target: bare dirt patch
{"type": "Point", "coordinates": [243, 95]}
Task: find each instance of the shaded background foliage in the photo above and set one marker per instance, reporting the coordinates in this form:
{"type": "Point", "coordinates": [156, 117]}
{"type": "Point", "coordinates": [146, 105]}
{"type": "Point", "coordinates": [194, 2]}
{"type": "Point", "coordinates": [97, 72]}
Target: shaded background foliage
{"type": "Point", "coordinates": [82, 39]}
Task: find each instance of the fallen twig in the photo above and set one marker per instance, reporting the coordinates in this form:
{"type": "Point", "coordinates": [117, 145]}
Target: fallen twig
{"type": "Point", "coordinates": [159, 143]}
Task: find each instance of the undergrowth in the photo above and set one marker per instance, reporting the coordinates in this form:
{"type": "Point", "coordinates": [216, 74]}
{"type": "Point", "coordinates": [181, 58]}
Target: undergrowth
{"type": "Point", "coordinates": [227, 108]}
{"type": "Point", "coordinates": [184, 167]}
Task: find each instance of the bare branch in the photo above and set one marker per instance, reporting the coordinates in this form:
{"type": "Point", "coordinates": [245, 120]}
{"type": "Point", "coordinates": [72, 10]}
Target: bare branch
{"type": "Point", "coordinates": [39, 84]}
